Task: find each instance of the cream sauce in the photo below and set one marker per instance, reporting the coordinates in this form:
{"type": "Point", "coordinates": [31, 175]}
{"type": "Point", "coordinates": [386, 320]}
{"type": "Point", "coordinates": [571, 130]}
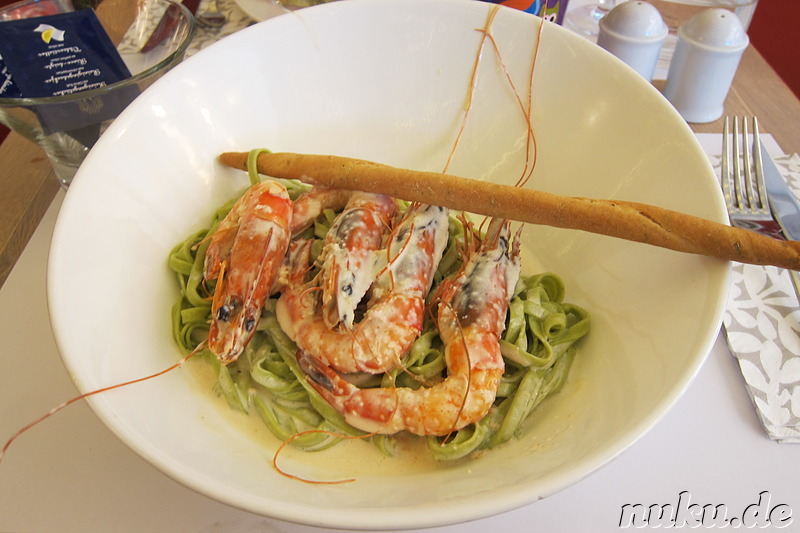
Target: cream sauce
{"type": "Point", "coordinates": [348, 459]}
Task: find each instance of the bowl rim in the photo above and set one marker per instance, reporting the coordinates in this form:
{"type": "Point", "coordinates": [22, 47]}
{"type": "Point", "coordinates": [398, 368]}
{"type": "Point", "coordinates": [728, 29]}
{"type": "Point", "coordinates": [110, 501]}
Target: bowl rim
{"type": "Point", "coordinates": [136, 78]}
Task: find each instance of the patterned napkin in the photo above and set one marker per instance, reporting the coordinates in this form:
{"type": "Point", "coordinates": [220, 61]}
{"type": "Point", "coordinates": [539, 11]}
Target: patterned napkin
{"type": "Point", "coordinates": [762, 325]}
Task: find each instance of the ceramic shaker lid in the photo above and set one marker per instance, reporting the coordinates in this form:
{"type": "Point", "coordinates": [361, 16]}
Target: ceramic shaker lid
{"type": "Point", "coordinates": [636, 20]}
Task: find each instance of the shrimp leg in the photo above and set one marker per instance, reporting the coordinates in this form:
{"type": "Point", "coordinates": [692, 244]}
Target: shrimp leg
{"type": "Point", "coordinates": [312, 203]}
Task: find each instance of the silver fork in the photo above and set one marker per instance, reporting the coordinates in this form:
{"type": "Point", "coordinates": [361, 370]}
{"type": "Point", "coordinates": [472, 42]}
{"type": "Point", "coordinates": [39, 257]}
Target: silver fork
{"type": "Point", "coordinates": [743, 180]}
{"type": "Point", "coordinates": [743, 186]}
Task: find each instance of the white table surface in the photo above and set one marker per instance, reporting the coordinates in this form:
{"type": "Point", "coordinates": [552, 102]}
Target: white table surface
{"type": "Point", "coordinates": [71, 473]}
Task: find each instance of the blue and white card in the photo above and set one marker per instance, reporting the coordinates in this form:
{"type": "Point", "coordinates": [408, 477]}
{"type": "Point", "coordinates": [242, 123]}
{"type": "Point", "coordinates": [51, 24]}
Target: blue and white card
{"type": "Point", "coordinates": [64, 54]}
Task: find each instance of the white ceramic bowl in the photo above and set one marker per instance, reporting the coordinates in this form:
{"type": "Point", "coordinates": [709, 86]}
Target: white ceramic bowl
{"type": "Point", "coordinates": [387, 80]}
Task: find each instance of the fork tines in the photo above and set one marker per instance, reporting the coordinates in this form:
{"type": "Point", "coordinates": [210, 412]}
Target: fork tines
{"type": "Point", "coordinates": [748, 192]}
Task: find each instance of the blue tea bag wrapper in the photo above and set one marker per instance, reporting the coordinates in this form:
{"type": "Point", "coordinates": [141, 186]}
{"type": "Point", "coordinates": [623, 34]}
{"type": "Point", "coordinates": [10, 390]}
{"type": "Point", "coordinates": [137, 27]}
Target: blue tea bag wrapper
{"type": "Point", "coordinates": [8, 89]}
{"type": "Point", "coordinates": [65, 54]}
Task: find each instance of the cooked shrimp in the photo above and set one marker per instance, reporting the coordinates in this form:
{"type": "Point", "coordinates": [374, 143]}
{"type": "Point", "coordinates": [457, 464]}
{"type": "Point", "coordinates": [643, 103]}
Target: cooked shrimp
{"type": "Point", "coordinates": [309, 205]}
{"type": "Point", "coordinates": [244, 256]}
{"type": "Point", "coordinates": [395, 310]}
{"type": "Point", "coordinates": [471, 317]}
{"type": "Point", "coordinates": [349, 255]}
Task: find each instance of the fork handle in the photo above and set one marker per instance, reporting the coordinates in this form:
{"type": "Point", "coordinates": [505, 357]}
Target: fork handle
{"type": "Point", "coordinates": [625, 220]}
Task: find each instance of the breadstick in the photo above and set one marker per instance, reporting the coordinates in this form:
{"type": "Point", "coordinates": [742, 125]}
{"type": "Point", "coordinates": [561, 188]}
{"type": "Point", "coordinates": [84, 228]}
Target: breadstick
{"type": "Point", "coordinates": [625, 220]}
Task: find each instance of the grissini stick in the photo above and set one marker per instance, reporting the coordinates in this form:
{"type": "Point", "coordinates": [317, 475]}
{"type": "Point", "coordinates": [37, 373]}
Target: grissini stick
{"type": "Point", "coordinates": [625, 220]}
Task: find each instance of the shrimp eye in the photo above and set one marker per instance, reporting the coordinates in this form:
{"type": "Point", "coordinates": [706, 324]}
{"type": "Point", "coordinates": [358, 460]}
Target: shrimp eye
{"type": "Point", "coordinates": [223, 313]}
{"type": "Point", "coordinates": [348, 289]}
{"type": "Point", "coordinates": [249, 324]}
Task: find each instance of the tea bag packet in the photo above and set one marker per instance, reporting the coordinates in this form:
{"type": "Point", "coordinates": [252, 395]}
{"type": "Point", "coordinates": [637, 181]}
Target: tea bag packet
{"type": "Point", "coordinates": [8, 89]}
{"type": "Point", "coordinates": [65, 54]}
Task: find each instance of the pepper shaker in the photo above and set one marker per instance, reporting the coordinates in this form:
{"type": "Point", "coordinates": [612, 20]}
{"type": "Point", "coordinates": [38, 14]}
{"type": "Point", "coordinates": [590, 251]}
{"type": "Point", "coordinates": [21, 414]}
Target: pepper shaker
{"type": "Point", "coordinates": [634, 31]}
{"type": "Point", "coordinates": [707, 54]}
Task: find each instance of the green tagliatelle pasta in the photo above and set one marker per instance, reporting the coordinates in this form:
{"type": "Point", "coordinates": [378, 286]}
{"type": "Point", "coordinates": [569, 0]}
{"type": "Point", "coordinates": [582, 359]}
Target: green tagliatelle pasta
{"type": "Point", "coordinates": [537, 345]}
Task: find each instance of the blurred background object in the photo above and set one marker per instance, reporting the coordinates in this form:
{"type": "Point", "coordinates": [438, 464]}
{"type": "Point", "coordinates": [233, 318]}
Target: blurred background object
{"type": "Point", "coordinates": [772, 32]}
{"type": "Point", "coordinates": [634, 32]}
{"type": "Point", "coordinates": [123, 56]}
{"type": "Point", "coordinates": [710, 46]}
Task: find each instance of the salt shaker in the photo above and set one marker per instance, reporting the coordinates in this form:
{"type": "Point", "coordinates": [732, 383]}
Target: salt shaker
{"type": "Point", "coordinates": [707, 54]}
{"type": "Point", "coordinates": [634, 31]}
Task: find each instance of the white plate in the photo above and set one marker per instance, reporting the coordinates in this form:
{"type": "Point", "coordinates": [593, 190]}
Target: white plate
{"type": "Point", "coordinates": [387, 80]}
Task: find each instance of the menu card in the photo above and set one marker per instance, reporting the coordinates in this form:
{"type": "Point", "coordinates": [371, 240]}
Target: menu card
{"type": "Point", "coordinates": [59, 55]}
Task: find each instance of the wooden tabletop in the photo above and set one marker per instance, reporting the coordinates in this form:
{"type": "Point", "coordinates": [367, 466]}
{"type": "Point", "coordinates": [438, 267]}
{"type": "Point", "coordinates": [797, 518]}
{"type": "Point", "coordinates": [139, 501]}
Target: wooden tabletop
{"type": "Point", "coordinates": [28, 184]}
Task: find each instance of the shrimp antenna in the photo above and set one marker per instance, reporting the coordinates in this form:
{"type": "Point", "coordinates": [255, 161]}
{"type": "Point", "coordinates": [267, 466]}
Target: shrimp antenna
{"type": "Point", "coordinates": [69, 402]}
{"type": "Point", "coordinates": [531, 151]}
{"type": "Point", "coordinates": [296, 436]}
{"type": "Point", "coordinates": [472, 84]}
{"type": "Point", "coordinates": [389, 259]}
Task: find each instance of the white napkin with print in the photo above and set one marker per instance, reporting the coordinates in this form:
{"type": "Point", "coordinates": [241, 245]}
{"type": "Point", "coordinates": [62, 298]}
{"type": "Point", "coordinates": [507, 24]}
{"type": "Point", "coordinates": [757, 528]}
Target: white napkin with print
{"type": "Point", "coordinates": [762, 321]}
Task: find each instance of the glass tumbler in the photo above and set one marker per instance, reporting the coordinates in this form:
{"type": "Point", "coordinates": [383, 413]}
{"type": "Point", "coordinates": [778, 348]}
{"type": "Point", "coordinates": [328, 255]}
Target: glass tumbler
{"type": "Point", "coordinates": [152, 36]}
